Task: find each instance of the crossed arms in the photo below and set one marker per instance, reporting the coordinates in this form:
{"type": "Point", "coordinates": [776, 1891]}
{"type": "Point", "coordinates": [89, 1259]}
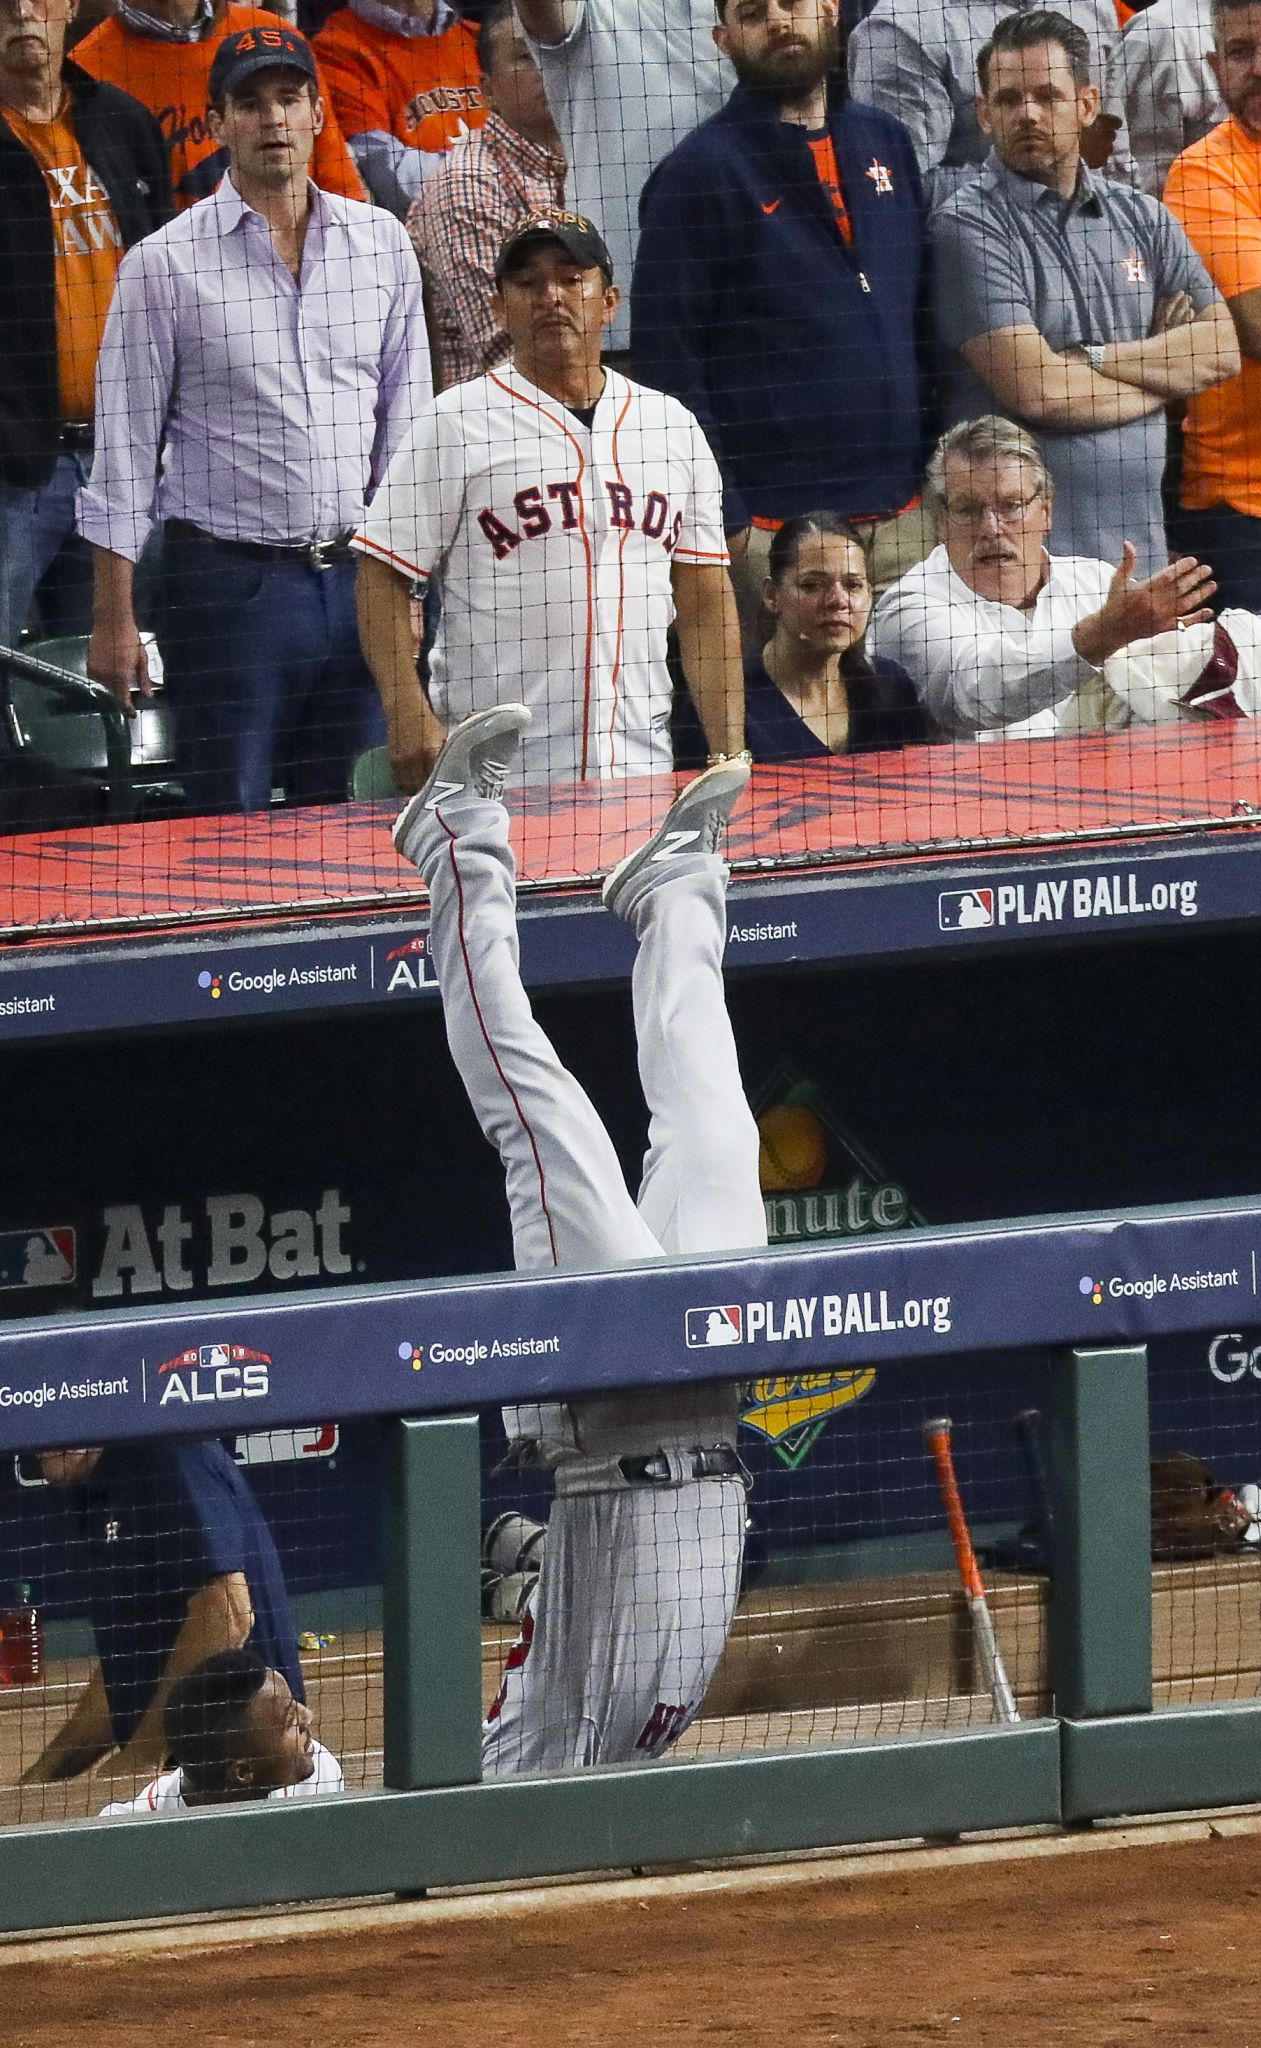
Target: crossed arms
{"type": "Point", "coordinates": [1186, 352]}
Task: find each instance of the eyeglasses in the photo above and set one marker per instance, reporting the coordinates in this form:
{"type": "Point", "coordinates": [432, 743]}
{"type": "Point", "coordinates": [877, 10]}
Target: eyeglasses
{"type": "Point", "coordinates": [1007, 511]}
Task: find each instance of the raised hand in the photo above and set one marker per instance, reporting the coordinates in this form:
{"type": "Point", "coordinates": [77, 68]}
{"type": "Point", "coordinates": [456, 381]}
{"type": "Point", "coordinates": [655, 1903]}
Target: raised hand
{"type": "Point", "coordinates": [1177, 595]}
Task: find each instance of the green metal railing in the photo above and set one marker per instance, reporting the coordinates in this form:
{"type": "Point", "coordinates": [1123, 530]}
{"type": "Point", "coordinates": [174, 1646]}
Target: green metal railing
{"type": "Point", "coordinates": [1103, 1751]}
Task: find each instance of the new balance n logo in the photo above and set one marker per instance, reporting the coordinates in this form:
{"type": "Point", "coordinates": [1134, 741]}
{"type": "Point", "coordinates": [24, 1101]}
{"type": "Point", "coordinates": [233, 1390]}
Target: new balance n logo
{"type": "Point", "coordinates": [675, 843]}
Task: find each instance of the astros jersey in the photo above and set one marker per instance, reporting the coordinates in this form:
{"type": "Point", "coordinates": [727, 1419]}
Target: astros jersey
{"type": "Point", "coordinates": [553, 544]}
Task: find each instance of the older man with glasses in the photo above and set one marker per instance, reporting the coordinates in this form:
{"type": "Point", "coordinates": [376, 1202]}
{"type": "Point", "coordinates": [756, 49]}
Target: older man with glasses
{"type": "Point", "coordinates": [996, 633]}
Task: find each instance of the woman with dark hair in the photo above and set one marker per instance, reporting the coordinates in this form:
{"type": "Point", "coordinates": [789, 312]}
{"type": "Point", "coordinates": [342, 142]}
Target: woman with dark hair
{"type": "Point", "coordinates": [813, 690]}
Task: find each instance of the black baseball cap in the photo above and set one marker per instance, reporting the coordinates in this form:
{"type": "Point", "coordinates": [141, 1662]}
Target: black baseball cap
{"type": "Point", "coordinates": [239, 56]}
{"type": "Point", "coordinates": [573, 231]}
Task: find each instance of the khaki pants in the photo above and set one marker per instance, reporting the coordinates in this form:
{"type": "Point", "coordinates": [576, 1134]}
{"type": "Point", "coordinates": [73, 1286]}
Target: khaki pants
{"type": "Point", "coordinates": [892, 546]}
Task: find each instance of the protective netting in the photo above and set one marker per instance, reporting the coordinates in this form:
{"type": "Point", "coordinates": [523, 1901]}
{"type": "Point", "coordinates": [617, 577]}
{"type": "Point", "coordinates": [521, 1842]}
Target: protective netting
{"type": "Point", "coordinates": [1206, 1520]}
{"type": "Point", "coordinates": [809, 1595]}
{"type": "Point", "coordinates": [827, 409]}
{"type": "Point", "coordinates": [904, 441]}
{"type": "Point", "coordinates": [852, 1620]}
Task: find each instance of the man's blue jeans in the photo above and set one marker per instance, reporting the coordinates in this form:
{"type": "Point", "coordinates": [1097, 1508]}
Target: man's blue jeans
{"type": "Point", "coordinates": [34, 525]}
{"type": "Point", "coordinates": [264, 675]}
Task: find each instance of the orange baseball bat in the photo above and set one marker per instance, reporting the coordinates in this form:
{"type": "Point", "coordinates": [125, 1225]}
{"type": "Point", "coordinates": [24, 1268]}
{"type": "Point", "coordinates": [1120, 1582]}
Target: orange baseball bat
{"type": "Point", "coordinates": [937, 1437]}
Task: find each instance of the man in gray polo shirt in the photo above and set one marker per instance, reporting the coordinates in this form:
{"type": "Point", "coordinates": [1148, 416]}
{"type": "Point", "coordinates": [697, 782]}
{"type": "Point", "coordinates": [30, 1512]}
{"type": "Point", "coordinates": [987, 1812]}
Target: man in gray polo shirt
{"type": "Point", "coordinates": [916, 59]}
{"type": "Point", "coordinates": [1070, 303]}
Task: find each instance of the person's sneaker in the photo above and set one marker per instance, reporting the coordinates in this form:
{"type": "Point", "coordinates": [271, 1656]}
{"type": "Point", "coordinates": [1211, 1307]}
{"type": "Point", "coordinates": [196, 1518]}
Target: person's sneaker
{"type": "Point", "coordinates": [477, 755]}
{"type": "Point", "coordinates": [694, 823]}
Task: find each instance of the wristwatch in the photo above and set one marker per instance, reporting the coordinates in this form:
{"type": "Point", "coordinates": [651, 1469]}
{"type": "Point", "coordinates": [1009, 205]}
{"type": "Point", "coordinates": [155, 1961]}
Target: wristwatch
{"type": "Point", "coordinates": [1094, 353]}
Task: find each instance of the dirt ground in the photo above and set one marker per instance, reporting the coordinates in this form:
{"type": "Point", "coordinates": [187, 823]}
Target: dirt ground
{"type": "Point", "coordinates": [1094, 1950]}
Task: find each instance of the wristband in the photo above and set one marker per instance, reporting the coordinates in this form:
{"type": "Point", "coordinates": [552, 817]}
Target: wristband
{"type": "Point", "coordinates": [717, 760]}
{"type": "Point", "coordinates": [1094, 353]}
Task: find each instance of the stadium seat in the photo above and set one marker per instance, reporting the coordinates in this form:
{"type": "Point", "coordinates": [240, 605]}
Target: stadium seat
{"type": "Point", "coordinates": [372, 778]}
{"type": "Point", "coordinates": [68, 736]}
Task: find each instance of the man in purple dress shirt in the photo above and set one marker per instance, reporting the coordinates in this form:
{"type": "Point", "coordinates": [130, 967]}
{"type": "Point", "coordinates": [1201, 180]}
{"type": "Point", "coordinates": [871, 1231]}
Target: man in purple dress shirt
{"type": "Point", "coordinates": [264, 356]}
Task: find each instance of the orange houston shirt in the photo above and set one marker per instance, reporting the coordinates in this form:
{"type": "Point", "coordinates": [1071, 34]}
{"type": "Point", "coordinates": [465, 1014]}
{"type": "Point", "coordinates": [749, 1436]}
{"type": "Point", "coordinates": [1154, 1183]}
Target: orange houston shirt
{"type": "Point", "coordinates": [171, 79]}
{"type": "Point", "coordinates": [425, 90]}
{"type": "Point", "coordinates": [87, 250]}
{"type": "Point", "coordinates": [1214, 188]}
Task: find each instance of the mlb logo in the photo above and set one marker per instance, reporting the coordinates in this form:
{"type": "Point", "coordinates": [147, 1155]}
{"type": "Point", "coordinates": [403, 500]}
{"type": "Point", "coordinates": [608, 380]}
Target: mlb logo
{"type": "Point", "coordinates": [707, 1327]}
{"type": "Point", "coordinates": [40, 1257]}
{"type": "Point", "coordinates": [963, 910]}
{"type": "Point", "coordinates": [213, 1355]}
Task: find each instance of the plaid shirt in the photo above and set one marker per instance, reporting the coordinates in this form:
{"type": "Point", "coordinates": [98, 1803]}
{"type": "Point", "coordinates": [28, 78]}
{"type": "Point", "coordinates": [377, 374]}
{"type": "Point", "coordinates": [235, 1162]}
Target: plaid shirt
{"type": "Point", "coordinates": [487, 182]}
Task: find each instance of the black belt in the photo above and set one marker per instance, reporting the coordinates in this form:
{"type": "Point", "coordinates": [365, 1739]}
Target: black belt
{"type": "Point", "coordinates": [655, 1470]}
{"type": "Point", "coordinates": [76, 437]}
{"type": "Point", "coordinates": [317, 554]}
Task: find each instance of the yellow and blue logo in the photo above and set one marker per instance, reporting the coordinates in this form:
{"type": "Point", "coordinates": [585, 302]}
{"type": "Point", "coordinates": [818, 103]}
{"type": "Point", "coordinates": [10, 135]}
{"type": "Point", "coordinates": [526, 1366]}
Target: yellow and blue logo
{"type": "Point", "coordinates": [792, 1409]}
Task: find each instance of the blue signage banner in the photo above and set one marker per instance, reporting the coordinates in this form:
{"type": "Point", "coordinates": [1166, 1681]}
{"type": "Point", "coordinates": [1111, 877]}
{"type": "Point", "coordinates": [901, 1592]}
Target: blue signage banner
{"type": "Point", "coordinates": [786, 1314]}
{"type": "Point", "coordinates": [895, 909]}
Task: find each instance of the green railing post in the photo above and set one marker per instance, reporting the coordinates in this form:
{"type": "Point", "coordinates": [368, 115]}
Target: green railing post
{"type": "Point", "coordinates": [1101, 1585]}
{"type": "Point", "coordinates": [431, 1605]}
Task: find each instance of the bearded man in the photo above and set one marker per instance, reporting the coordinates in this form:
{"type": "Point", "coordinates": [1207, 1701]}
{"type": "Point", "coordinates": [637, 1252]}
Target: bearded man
{"type": "Point", "coordinates": [779, 293]}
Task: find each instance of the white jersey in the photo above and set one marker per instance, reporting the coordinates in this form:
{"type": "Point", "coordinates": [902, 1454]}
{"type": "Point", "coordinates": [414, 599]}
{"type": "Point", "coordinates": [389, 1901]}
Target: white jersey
{"type": "Point", "coordinates": [640, 1572]}
{"type": "Point", "coordinates": [166, 1793]}
{"type": "Point", "coordinates": [553, 544]}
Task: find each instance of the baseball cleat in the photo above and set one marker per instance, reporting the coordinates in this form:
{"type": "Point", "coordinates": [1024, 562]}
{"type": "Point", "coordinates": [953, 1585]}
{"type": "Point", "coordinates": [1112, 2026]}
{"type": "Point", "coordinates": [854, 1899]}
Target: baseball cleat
{"type": "Point", "coordinates": [694, 823]}
{"type": "Point", "coordinates": [477, 756]}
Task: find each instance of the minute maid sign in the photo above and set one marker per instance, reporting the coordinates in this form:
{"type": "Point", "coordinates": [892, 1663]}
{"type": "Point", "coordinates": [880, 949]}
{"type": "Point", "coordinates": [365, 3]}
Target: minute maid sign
{"type": "Point", "coordinates": [818, 1182]}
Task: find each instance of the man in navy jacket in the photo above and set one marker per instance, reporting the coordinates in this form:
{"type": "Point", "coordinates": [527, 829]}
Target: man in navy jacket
{"type": "Point", "coordinates": [180, 1565]}
{"type": "Point", "coordinates": [779, 292]}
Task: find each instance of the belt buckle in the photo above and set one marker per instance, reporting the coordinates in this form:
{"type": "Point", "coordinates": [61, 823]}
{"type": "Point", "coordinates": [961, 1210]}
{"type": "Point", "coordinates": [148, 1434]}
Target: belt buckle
{"type": "Point", "coordinates": [320, 554]}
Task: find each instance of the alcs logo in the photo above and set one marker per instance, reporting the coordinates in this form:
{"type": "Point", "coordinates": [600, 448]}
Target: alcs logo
{"type": "Point", "coordinates": [409, 966]}
{"type": "Point", "coordinates": [215, 1372]}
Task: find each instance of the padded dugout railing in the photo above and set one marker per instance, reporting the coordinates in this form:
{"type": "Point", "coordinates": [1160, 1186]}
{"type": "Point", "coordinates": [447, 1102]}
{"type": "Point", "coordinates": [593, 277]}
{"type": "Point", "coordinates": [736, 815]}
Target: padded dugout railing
{"type": "Point", "coordinates": [425, 1354]}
